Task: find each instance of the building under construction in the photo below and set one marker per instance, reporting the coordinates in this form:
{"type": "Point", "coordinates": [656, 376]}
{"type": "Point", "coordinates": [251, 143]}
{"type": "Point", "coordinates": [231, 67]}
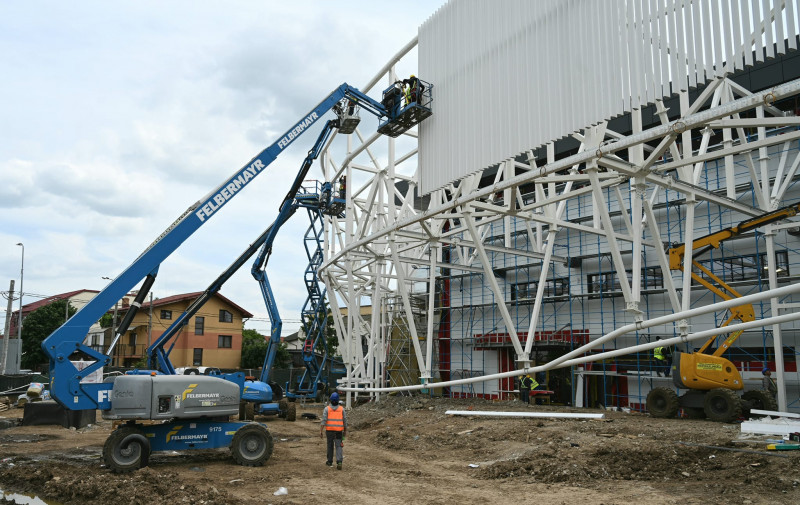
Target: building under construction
{"type": "Point", "coordinates": [574, 198]}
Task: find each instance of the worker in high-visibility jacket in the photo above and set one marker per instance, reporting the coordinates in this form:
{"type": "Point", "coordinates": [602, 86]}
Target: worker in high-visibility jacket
{"type": "Point", "coordinates": [334, 425]}
{"type": "Point", "coordinates": [663, 357]}
{"type": "Point", "coordinates": [767, 384]}
{"type": "Point", "coordinates": [526, 384]}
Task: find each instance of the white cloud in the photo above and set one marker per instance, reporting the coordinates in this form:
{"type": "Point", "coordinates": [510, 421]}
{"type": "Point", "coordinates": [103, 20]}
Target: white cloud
{"type": "Point", "coordinates": [118, 116]}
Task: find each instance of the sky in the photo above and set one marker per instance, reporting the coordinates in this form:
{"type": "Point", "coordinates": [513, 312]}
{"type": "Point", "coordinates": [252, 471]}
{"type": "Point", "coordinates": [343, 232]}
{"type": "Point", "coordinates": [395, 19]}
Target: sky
{"type": "Point", "coordinates": [117, 116]}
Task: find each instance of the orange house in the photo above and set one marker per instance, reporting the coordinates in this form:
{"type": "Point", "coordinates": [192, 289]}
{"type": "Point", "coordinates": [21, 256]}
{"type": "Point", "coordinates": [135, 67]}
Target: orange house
{"type": "Point", "coordinates": [212, 337]}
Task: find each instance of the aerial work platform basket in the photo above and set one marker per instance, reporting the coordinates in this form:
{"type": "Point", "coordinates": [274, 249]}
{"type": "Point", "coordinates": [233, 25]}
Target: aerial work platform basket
{"type": "Point", "coordinates": [406, 108]}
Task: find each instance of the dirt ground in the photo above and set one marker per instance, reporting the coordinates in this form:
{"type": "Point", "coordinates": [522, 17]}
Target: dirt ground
{"type": "Point", "coordinates": [406, 450]}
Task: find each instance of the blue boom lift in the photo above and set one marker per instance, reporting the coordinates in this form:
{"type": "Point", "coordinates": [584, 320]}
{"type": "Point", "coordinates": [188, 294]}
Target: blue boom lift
{"type": "Point", "coordinates": [194, 410]}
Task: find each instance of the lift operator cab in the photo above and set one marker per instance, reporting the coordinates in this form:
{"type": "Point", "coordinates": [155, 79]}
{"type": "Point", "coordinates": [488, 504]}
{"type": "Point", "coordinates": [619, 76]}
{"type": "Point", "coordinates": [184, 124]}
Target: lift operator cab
{"type": "Point", "coordinates": [193, 411]}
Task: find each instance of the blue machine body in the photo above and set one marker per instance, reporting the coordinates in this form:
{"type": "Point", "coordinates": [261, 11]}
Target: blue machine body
{"type": "Point", "coordinates": [195, 434]}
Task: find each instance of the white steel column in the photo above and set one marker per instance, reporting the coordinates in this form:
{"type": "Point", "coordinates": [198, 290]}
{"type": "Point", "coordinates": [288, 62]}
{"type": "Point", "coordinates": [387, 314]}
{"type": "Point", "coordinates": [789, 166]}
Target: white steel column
{"type": "Point", "coordinates": [777, 339]}
{"type": "Point", "coordinates": [499, 295]}
{"type": "Point", "coordinates": [402, 287]}
{"type": "Point", "coordinates": [435, 251]}
{"type": "Point", "coordinates": [608, 228]}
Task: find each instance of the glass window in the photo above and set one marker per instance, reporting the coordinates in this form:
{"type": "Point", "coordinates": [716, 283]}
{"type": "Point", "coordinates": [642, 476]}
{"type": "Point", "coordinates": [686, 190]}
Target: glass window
{"type": "Point", "coordinates": [527, 291]}
{"type": "Point", "coordinates": [652, 277]}
{"type": "Point", "coordinates": [608, 281]}
{"type": "Point", "coordinates": [197, 358]}
{"type": "Point", "coordinates": [166, 314]}
{"type": "Point", "coordinates": [225, 316]}
{"type": "Point", "coordinates": [747, 267]}
{"type": "Point", "coordinates": [604, 282]}
{"type": "Point", "coordinates": [225, 341]}
{"type": "Point", "coordinates": [199, 325]}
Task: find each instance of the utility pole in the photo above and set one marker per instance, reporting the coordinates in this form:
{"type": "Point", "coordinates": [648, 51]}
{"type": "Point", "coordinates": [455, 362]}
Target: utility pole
{"type": "Point", "coordinates": [7, 328]}
{"type": "Point", "coordinates": [19, 326]}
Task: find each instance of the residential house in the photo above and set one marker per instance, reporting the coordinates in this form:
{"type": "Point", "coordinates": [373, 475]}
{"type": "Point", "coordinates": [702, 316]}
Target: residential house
{"type": "Point", "coordinates": [212, 337]}
{"type": "Point", "coordinates": [77, 299]}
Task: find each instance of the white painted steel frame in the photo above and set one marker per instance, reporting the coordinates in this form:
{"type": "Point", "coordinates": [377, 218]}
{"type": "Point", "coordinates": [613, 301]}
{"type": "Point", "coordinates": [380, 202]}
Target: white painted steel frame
{"type": "Point", "coordinates": [371, 259]}
{"type": "Point", "coordinates": [389, 244]}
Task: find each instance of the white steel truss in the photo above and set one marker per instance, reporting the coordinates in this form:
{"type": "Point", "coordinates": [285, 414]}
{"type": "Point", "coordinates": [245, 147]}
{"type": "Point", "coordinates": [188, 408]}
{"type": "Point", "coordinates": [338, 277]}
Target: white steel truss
{"type": "Point", "coordinates": [387, 252]}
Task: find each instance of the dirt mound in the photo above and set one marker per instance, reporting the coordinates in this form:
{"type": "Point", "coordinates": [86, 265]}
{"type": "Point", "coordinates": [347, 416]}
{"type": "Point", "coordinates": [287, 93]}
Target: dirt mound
{"type": "Point", "coordinates": [406, 449]}
{"type": "Point", "coordinates": [145, 487]}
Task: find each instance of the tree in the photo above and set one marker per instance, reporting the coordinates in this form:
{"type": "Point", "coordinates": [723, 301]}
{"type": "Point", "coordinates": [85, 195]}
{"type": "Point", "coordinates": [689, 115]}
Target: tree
{"type": "Point", "coordinates": [37, 326]}
{"type": "Point", "coordinates": [282, 357]}
{"type": "Point", "coordinates": [254, 350]}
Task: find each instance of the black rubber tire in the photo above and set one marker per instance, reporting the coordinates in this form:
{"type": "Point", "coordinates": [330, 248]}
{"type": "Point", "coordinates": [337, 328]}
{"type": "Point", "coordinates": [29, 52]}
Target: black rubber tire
{"type": "Point", "coordinates": [191, 371]}
{"type": "Point", "coordinates": [662, 402]}
{"type": "Point", "coordinates": [251, 445]}
{"type": "Point", "coordinates": [759, 399]}
{"type": "Point", "coordinates": [722, 405]}
{"type": "Point", "coordinates": [322, 392]}
{"type": "Point", "coordinates": [283, 408]}
{"type": "Point", "coordinates": [247, 411]}
{"type": "Point", "coordinates": [291, 412]}
{"type": "Point", "coordinates": [694, 413]}
{"type": "Point", "coordinates": [126, 449]}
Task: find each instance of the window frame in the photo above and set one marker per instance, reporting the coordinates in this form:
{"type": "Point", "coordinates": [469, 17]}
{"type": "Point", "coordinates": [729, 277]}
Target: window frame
{"type": "Point", "coordinates": [527, 290]}
{"type": "Point", "coordinates": [222, 316]}
{"type": "Point", "coordinates": [199, 325]}
{"type": "Point", "coordinates": [608, 281]}
{"type": "Point", "coordinates": [166, 314]}
{"type": "Point", "coordinates": [223, 339]}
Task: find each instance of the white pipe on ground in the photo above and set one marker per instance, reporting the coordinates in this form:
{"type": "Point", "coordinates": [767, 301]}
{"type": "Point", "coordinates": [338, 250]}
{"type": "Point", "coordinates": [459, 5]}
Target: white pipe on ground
{"type": "Point", "coordinates": [494, 413]}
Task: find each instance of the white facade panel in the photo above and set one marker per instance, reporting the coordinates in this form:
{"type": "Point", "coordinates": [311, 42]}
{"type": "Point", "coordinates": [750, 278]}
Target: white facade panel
{"type": "Point", "coordinates": [512, 75]}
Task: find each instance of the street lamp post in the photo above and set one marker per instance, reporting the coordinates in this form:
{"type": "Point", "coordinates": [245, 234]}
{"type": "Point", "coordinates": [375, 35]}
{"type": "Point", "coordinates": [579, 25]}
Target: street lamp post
{"type": "Point", "coordinates": [19, 322]}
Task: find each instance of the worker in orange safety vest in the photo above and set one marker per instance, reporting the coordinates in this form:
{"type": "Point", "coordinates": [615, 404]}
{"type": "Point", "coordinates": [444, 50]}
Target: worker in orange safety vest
{"type": "Point", "coordinates": [334, 424]}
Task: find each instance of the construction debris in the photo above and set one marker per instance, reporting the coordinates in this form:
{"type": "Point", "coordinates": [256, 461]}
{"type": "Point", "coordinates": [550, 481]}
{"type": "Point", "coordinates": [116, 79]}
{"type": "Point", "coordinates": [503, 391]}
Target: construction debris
{"type": "Point", "coordinates": [769, 426]}
{"type": "Point", "coordinates": [783, 447]}
{"type": "Point", "coordinates": [772, 413]}
{"type": "Point", "coordinates": [731, 449]}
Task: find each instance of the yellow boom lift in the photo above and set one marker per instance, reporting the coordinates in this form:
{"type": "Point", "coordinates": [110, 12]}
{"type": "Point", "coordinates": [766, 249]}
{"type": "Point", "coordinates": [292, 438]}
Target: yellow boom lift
{"type": "Point", "coordinates": [710, 379]}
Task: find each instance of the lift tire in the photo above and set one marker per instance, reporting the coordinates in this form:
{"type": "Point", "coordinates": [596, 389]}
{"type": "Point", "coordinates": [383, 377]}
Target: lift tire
{"type": "Point", "coordinates": [247, 411]}
{"type": "Point", "coordinates": [662, 402]}
{"type": "Point", "coordinates": [283, 408]}
{"type": "Point", "coordinates": [722, 405]}
{"type": "Point", "coordinates": [191, 371]}
{"type": "Point", "coordinates": [291, 412]}
{"type": "Point", "coordinates": [251, 445]}
{"type": "Point", "coordinates": [126, 449]}
{"type": "Point", "coordinates": [694, 413]}
{"type": "Point", "coordinates": [759, 399]}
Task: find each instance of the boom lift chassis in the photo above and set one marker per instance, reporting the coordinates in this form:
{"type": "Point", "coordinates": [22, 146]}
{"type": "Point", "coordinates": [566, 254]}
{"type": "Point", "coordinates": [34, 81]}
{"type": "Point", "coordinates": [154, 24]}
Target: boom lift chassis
{"type": "Point", "coordinates": [710, 379]}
